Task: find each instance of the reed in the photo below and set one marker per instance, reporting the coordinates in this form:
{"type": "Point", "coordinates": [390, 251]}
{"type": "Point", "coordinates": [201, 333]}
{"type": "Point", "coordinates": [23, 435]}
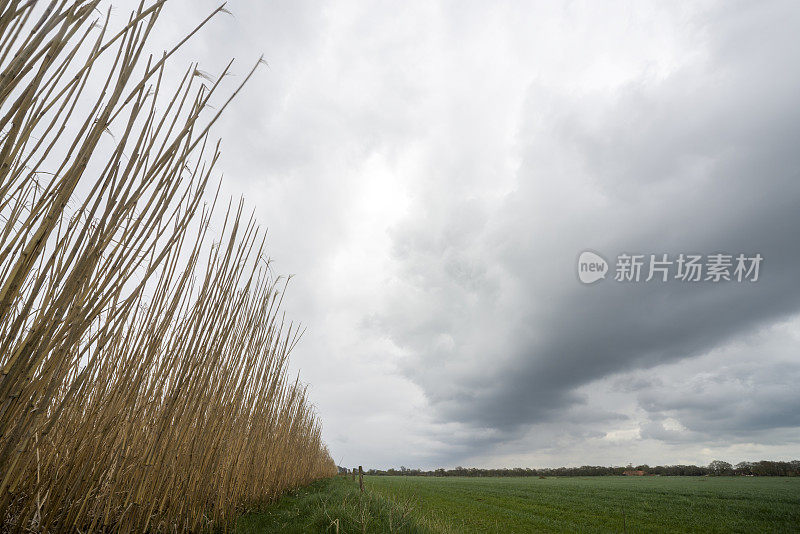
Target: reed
{"type": "Point", "coordinates": [144, 382]}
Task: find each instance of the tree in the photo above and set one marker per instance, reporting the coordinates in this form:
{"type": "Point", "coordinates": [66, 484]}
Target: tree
{"type": "Point", "coordinates": [719, 468]}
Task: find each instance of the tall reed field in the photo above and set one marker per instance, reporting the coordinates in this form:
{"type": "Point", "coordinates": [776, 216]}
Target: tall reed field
{"type": "Point", "coordinates": [144, 380]}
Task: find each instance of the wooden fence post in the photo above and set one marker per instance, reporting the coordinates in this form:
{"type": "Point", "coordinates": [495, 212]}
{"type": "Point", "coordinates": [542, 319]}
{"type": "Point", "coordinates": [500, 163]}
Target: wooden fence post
{"type": "Point", "coordinates": [360, 478]}
{"type": "Point", "coordinates": [354, 474]}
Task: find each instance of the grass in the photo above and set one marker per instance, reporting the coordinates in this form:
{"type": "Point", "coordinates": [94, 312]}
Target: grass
{"type": "Point", "coordinates": [333, 505]}
{"type": "Point", "coordinates": [569, 504]}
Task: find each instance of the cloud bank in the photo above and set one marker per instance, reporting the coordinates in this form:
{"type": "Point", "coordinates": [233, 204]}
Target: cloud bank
{"type": "Point", "coordinates": [430, 172]}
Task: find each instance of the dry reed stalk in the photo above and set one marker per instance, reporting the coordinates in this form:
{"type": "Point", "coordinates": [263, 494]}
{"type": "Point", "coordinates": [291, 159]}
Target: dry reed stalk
{"type": "Point", "coordinates": [139, 390]}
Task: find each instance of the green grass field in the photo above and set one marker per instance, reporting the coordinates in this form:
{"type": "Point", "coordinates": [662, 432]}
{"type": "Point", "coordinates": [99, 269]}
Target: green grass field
{"type": "Point", "coordinates": [570, 504]}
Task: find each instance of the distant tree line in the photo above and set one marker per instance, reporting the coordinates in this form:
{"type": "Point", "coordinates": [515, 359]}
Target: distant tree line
{"type": "Point", "coordinates": [715, 468]}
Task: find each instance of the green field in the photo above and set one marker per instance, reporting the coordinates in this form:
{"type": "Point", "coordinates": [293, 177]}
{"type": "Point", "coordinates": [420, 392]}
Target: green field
{"type": "Point", "coordinates": [568, 504]}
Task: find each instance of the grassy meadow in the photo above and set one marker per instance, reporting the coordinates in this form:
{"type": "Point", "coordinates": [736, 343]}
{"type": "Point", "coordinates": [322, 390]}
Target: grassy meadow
{"type": "Point", "coordinates": [564, 504]}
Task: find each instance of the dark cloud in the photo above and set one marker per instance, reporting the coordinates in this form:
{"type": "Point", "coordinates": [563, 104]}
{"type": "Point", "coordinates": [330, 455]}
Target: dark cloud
{"type": "Point", "coordinates": [732, 403]}
{"type": "Point", "coordinates": [431, 172]}
{"type": "Point", "coordinates": [704, 160]}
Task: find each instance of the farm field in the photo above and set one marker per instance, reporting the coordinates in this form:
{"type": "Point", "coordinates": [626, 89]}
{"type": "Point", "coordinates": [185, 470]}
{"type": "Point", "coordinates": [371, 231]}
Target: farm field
{"type": "Point", "coordinates": [568, 504]}
{"type": "Point", "coordinates": [595, 504]}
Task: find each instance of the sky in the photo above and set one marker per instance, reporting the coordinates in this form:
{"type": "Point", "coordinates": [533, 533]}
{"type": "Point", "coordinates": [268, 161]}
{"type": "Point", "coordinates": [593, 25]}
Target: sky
{"type": "Point", "coordinates": [431, 171]}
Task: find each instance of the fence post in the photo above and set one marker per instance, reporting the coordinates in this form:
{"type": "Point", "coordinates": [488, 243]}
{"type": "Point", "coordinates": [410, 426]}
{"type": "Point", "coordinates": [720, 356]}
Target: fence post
{"type": "Point", "coordinates": [354, 474]}
{"type": "Point", "coordinates": [360, 478]}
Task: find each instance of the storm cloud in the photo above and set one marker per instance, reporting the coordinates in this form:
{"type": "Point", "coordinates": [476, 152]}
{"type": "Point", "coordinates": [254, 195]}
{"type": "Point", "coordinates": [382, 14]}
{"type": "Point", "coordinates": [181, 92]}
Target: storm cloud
{"type": "Point", "coordinates": [431, 172]}
{"type": "Point", "coordinates": [702, 161]}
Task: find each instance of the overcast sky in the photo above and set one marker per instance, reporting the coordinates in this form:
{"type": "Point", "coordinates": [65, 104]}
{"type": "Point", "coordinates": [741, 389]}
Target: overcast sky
{"type": "Point", "coordinates": [430, 172]}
